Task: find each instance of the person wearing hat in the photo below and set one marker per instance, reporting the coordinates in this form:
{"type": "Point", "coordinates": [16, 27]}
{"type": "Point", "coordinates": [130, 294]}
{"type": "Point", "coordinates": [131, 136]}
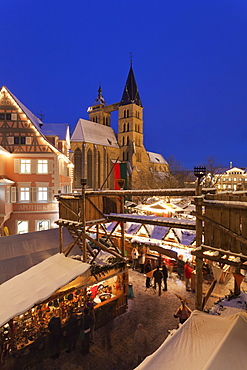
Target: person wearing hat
{"type": "Point", "coordinates": [183, 312]}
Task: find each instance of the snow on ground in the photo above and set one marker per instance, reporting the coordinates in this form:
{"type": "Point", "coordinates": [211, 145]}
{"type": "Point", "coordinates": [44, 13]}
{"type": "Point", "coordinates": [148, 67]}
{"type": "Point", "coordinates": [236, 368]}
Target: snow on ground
{"type": "Point", "coordinates": [154, 312]}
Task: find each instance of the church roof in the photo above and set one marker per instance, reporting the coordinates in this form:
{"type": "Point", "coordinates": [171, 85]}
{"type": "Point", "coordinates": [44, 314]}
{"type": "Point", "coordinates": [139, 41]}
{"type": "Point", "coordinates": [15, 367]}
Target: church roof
{"type": "Point", "coordinates": [156, 158]}
{"type": "Point", "coordinates": [95, 133]}
{"type": "Point", "coordinates": [131, 94]}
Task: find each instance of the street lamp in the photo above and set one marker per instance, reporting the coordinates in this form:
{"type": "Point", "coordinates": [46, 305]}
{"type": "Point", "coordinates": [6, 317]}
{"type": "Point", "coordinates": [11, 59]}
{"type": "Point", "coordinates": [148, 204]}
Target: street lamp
{"type": "Point", "coordinates": [200, 172]}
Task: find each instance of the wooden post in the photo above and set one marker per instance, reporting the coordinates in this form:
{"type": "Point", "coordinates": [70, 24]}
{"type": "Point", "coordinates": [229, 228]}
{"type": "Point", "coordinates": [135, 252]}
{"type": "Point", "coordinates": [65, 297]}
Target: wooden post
{"type": "Point", "coordinates": [199, 261]}
{"type": "Point", "coordinates": [122, 225]}
{"type": "Point", "coordinates": [83, 218]}
{"type": "Point", "coordinates": [60, 239]}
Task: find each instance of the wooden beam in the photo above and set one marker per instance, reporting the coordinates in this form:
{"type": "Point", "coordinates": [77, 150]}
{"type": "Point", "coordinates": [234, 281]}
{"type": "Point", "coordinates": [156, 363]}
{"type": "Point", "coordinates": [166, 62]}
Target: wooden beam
{"type": "Point", "coordinates": [223, 261]}
{"type": "Point", "coordinates": [211, 288]}
{"type": "Point", "coordinates": [221, 228]}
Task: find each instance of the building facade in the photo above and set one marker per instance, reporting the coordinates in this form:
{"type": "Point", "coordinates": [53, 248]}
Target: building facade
{"type": "Point", "coordinates": [34, 168]}
{"type": "Point", "coordinates": [231, 180]}
{"type": "Point", "coordinates": [98, 150]}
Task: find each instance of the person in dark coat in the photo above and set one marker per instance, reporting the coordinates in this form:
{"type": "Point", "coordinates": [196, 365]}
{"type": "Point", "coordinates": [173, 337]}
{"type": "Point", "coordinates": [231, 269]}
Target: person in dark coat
{"type": "Point", "coordinates": [147, 269]}
{"type": "Point", "coordinates": [165, 275]}
{"type": "Point", "coordinates": [158, 276]}
{"type": "Point", "coordinates": [72, 329]}
{"type": "Point", "coordinates": [86, 323]}
{"type": "Point", "coordinates": [55, 330]}
{"type": "Point", "coordinates": [180, 267]}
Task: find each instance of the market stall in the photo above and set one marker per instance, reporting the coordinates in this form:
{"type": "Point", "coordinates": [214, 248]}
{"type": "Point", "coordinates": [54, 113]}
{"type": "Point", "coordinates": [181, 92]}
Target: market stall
{"type": "Point", "coordinates": [54, 287]}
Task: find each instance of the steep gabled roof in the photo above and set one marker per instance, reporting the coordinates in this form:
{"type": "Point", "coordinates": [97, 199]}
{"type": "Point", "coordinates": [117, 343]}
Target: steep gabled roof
{"type": "Point", "coordinates": [35, 120]}
{"type": "Point", "coordinates": [156, 158]}
{"type": "Point", "coordinates": [131, 94]}
{"type": "Point", "coordinates": [95, 133]}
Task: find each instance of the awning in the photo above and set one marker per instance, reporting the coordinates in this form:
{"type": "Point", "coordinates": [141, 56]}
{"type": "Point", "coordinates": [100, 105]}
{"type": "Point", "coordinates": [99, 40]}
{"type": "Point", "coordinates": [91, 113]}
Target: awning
{"type": "Point", "coordinates": [38, 283]}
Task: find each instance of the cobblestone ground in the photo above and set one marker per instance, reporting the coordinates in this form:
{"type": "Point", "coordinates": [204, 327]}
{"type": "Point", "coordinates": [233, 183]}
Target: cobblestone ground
{"type": "Point", "coordinates": [154, 312]}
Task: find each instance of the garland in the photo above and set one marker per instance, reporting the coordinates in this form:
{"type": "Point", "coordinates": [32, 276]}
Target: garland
{"type": "Point", "coordinates": [113, 263]}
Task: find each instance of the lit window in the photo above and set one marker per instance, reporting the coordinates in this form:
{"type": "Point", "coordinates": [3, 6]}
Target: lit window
{"type": "Point", "coordinates": [42, 225]}
{"type": "Point", "coordinates": [24, 194]}
{"type": "Point", "coordinates": [229, 179]}
{"type": "Point", "coordinates": [229, 186]}
{"type": "Point", "coordinates": [25, 166]}
{"type": "Point", "coordinates": [42, 166]}
{"type": "Point", "coordinates": [22, 227]}
{"type": "Point", "coordinates": [43, 194]}
{"type": "Point", "coordinates": [234, 179]}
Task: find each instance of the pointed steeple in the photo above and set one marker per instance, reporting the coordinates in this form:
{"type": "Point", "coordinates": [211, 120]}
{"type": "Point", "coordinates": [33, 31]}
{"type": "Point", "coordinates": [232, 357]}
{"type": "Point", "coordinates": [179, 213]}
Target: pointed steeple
{"type": "Point", "coordinates": [100, 99]}
{"type": "Point", "coordinates": [131, 94]}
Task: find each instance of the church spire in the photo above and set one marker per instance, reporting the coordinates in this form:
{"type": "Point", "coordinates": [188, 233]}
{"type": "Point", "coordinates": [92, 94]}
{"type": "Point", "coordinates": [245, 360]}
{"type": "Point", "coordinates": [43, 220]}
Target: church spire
{"type": "Point", "coordinates": [131, 94]}
{"type": "Point", "coordinates": [100, 99]}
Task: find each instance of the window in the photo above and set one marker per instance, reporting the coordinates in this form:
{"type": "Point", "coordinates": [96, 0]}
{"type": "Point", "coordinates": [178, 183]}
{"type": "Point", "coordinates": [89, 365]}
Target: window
{"type": "Point", "coordinates": [1, 116]}
{"type": "Point", "coordinates": [42, 225]}
{"type": "Point", "coordinates": [234, 179]}
{"type": "Point", "coordinates": [8, 116]}
{"type": "Point", "coordinates": [25, 166]}
{"type": "Point", "coordinates": [24, 194]}
{"type": "Point", "coordinates": [229, 179]}
{"type": "Point", "coordinates": [42, 166]}
{"type": "Point", "coordinates": [42, 194]}
{"type": "Point", "coordinates": [16, 140]}
{"type": "Point", "coordinates": [22, 227]}
{"type": "Point", "coordinates": [23, 140]}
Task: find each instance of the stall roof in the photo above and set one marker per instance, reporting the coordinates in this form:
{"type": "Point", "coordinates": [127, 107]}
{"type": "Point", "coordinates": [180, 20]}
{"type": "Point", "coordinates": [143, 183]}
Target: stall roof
{"type": "Point", "coordinates": [20, 252]}
{"type": "Point", "coordinates": [38, 283]}
{"type": "Point", "coordinates": [204, 342]}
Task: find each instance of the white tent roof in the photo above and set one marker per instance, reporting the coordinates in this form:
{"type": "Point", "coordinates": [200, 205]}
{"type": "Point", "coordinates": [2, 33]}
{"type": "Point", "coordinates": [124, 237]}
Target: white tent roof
{"type": "Point", "coordinates": [203, 342]}
{"type": "Point", "coordinates": [38, 283]}
{"type": "Point", "coordinates": [20, 252]}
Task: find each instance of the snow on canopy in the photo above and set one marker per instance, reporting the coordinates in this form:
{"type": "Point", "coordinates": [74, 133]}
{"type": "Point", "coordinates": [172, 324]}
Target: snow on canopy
{"type": "Point", "coordinates": [133, 229]}
{"type": "Point", "coordinates": [22, 251]}
{"type": "Point", "coordinates": [203, 342]}
{"type": "Point", "coordinates": [159, 232]}
{"type": "Point", "coordinates": [186, 237]}
{"type": "Point", "coordinates": [37, 284]}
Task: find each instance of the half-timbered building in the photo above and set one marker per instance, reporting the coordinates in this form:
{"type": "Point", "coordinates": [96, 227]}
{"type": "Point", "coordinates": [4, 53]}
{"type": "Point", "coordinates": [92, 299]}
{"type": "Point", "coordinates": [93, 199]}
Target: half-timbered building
{"type": "Point", "coordinates": [35, 167]}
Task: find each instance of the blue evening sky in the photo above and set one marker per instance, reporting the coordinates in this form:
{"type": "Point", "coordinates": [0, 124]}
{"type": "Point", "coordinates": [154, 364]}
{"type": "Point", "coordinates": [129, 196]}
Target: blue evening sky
{"type": "Point", "coordinates": [189, 60]}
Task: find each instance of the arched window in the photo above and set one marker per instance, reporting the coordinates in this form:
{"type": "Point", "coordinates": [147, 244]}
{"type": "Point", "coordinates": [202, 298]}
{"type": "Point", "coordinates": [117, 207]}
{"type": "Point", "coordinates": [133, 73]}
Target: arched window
{"type": "Point", "coordinates": [124, 127]}
{"type": "Point", "coordinates": [89, 168]}
{"type": "Point", "coordinates": [123, 141]}
{"type": "Point", "coordinates": [128, 126]}
{"type": "Point", "coordinates": [124, 113]}
{"type": "Point", "coordinates": [78, 167]}
{"type": "Point", "coordinates": [128, 113]}
{"type": "Point", "coordinates": [128, 140]}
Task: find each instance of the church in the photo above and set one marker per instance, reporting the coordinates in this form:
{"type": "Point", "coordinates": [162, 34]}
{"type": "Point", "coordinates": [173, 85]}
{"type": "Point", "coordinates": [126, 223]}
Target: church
{"type": "Point", "coordinates": [102, 156]}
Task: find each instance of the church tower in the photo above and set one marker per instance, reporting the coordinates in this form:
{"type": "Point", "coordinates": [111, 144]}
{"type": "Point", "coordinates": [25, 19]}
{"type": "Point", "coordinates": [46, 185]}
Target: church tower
{"type": "Point", "coordinates": [130, 122]}
{"type": "Point", "coordinates": [97, 112]}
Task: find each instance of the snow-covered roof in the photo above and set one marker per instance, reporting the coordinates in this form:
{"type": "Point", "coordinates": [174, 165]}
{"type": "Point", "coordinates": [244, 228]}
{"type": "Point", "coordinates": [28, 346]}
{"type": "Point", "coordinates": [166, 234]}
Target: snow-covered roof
{"type": "Point", "coordinates": [56, 129]}
{"type": "Point", "coordinates": [185, 237]}
{"type": "Point", "coordinates": [235, 169]}
{"type": "Point", "coordinates": [37, 284]}
{"type": "Point", "coordinates": [35, 120]}
{"type": "Point", "coordinates": [95, 133]}
{"type": "Point", "coordinates": [203, 342]}
{"type": "Point", "coordinates": [159, 232]}
{"type": "Point", "coordinates": [20, 252]}
{"type": "Point", "coordinates": [157, 158]}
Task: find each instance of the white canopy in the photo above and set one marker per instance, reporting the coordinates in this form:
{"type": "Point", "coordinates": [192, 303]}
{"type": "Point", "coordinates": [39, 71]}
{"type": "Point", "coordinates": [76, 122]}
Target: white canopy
{"type": "Point", "coordinates": [203, 342]}
{"type": "Point", "coordinates": [38, 283]}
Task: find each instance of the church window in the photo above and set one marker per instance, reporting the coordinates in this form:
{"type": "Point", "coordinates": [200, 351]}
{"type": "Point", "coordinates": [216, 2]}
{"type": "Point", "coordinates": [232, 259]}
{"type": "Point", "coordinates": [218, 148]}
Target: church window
{"type": "Point", "coordinates": [128, 140]}
{"type": "Point", "coordinates": [128, 126]}
{"type": "Point", "coordinates": [124, 127]}
{"type": "Point", "coordinates": [89, 168]}
{"type": "Point", "coordinates": [78, 166]}
{"type": "Point", "coordinates": [128, 113]}
{"type": "Point", "coordinates": [123, 140]}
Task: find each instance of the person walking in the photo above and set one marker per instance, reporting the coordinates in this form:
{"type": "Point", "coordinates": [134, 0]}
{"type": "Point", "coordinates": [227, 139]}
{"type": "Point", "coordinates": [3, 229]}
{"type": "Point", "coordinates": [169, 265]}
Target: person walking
{"type": "Point", "coordinates": [165, 275]}
{"type": "Point", "coordinates": [183, 312]}
{"type": "Point", "coordinates": [158, 276]}
{"type": "Point", "coordinates": [180, 267]}
{"type": "Point", "coordinates": [187, 275]}
{"type": "Point", "coordinates": [134, 256]}
{"type": "Point", "coordinates": [140, 343]}
{"type": "Point", "coordinates": [147, 269]}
